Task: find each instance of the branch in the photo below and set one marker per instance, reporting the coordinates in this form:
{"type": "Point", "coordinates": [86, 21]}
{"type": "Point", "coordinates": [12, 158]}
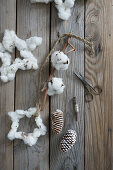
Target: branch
{"type": "Point", "coordinates": [46, 89]}
{"type": "Point", "coordinates": [50, 77]}
{"type": "Point", "coordinates": [66, 44]}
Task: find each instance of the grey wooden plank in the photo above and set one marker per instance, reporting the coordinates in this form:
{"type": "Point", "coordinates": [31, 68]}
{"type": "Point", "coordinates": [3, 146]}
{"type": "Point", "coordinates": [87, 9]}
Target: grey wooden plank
{"type": "Point", "coordinates": [7, 21]}
{"type": "Point", "coordinates": [75, 157]}
{"type": "Point", "coordinates": [32, 19]}
{"type": "Point", "coordinates": [98, 70]}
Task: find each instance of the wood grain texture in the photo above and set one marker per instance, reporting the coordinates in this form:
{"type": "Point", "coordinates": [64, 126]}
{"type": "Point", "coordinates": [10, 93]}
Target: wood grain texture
{"type": "Point", "coordinates": [32, 20]}
{"type": "Point", "coordinates": [7, 21]}
{"type": "Point", "coordinates": [75, 157]}
{"type": "Point", "coordinates": [93, 149]}
{"type": "Point", "coordinates": [99, 113]}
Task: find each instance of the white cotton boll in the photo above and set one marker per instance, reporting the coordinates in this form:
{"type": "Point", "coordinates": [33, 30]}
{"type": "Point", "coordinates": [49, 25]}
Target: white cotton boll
{"type": "Point", "coordinates": [43, 130]}
{"type": "Point", "coordinates": [40, 124]}
{"type": "Point", "coordinates": [11, 134]}
{"type": "Point", "coordinates": [7, 73]}
{"type": "Point", "coordinates": [27, 65]}
{"type": "Point", "coordinates": [20, 44]}
{"type": "Point", "coordinates": [11, 74]}
{"type": "Point", "coordinates": [64, 8]}
{"type": "Point", "coordinates": [58, 2]}
{"type": "Point", "coordinates": [69, 3]}
{"type": "Point", "coordinates": [63, 13]}
{"type": "Point", "coordinates": [36, 133]}
{"type": "Point", "coordinates": [42, 127]}
{"type": "Point", "coordinates": [38, 120]}
{"type": "Point", "coordinates": [15, 125]}
{"type": "Point", "coordinates": [31, 64]}
{"type": "Point", "coordinates": [8, 40]}
{"type": "Point", "coordinates": [4, 79]}
{"type": "Point", "coordinates": [6, 59]}
{"type": "Point", "coordinates": [19, 64]}
{"type": "Point", "coordinates": [12, 69]}
{"type": "Point", "coordinates": [31, 61]}
{"type": "Point", "coordinates": [2, 49]}
{"type": "Point", "coordinates": [18, 135]}
{"type": "Point", "coordinates": [59, 60]}
{"type": "Point", "coordinates": [55, 86]}
{"type": "Point", "coordinates": [20, 113]}
{"type": "Point", "coordinates": [30, 140]}
{"type": "Point", "coordinates": [33, 42]}
{"type": "Point", "coordinates": [1, 55]}
{"type": "Point", "coordinates": [41, 1]}
{"type": "Point", "coordinates": [15, 116]}
{"type": "Point", "coordinates": [18, 61]}
{"type": "Point", "coordinates": [31, 112]}
{"type": "Point", "coordinates": [26, 54]}
{"type": "Point", "coordinates": [4, 76]}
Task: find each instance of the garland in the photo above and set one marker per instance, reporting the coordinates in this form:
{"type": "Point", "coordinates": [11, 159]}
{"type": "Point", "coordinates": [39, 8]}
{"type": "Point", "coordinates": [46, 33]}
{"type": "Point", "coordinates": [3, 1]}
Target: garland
{"type": "Point", "coordinates": [40, 107]}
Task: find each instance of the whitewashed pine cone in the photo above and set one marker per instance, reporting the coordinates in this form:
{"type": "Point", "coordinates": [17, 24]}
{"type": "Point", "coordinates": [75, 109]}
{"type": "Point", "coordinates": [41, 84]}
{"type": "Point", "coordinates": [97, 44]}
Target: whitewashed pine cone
{"type": "Point", "coordinates": [57, 121]}
{"type": "Point", "coordinates": [68, 140]}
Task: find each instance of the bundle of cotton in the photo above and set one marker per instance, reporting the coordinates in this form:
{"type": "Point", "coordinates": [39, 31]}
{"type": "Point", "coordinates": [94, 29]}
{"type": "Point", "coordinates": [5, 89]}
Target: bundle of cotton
{"type": "Point", "coordinates": [59, 60]}
{"type": "Point", "coordinates": [64, 8]}
{"type": "Point", "coordinates": [55, 86]}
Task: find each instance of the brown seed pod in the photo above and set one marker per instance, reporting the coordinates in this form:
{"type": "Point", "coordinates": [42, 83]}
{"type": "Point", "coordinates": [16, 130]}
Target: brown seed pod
{"type": "Point", "coordinates": [57, 121]}
{"type": "Point", "coordinates": [68, 140]}
{"type": "Point", "coordinates": [75, 107]}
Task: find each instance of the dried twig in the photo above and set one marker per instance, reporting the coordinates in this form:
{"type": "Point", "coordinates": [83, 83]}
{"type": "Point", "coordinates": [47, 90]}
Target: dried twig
{"type": "Point", "coordinates": [70, 35]}
{"type": "Point", "coordinates": [75, 107]}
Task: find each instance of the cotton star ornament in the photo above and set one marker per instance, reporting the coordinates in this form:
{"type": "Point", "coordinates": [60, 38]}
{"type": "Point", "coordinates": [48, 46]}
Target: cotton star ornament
{"type": "Point", "coordinates": [25, 47]}
{"type": "Point", "coordinates": [63, 7]}
{"type": "Point", "coordinates": [28, 138]}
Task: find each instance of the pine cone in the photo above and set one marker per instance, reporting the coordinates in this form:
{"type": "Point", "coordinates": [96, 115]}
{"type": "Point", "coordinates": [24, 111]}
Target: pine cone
{"type": "Point", "coordinates": [57, 121]}
{"type": "Point", "coordinates": [68, 140]}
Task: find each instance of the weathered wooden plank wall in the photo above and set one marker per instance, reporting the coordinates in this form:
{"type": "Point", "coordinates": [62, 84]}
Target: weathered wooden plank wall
{"type": "Point", "coordinates": [94, 149]}
{"type": "Point", "coordinates": [7, 20]}
{"type": "Point", "coordinates": [99, 113]}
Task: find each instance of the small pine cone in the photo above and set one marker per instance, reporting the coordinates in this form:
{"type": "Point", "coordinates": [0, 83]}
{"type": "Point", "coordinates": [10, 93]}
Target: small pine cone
{"type": "Point", "coordinates": [68, 140]}
{"type": "Point", "coordinates": [57, 121]}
